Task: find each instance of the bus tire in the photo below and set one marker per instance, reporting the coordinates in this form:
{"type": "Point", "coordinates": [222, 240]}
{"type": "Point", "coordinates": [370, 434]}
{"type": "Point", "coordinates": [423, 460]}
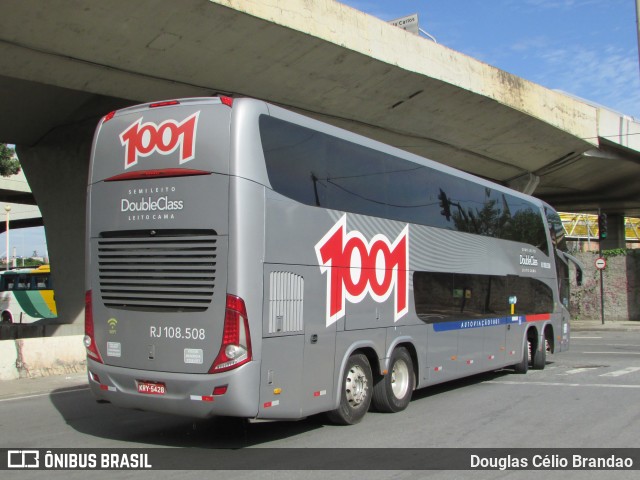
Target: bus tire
{"type": "Point", "coordinates": [355, 396]}
{"type": "Point", "coordinates": [392, 392]}
{"type": "Point", "coordinates": [539, 355]}
{"type": "Point", "coordinates": [523, 366]}
{"type": "Point", "coordinates": [6, 318]}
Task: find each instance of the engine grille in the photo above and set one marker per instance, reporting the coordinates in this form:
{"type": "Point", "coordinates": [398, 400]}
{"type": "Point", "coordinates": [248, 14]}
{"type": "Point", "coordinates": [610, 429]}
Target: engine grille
{"type": "Point", "coordinates": [172, 273]}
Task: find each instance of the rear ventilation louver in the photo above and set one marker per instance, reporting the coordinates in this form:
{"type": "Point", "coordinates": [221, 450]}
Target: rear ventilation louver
{"type": "Point", "coordinates": [286, 302]}
{"type": "Point", "coordinates": [157, 273]}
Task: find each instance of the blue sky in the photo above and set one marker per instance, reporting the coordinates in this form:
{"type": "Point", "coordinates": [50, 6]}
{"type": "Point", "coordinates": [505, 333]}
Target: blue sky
{"type": "Point", "coordinates": [25, 241]}
{"type": "Point", "coordinates": [587, 48]}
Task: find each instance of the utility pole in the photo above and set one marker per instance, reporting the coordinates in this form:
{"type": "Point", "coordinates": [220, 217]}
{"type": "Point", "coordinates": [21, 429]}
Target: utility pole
{"type": "Point", "coordinates": [7, 208]}
{"type": "Point", "coordinates": [602, 234]}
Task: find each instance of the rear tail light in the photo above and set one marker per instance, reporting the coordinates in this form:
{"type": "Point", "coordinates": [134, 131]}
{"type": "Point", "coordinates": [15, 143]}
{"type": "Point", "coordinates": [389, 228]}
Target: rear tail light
{"type": "Point", "coordinates": [89, 333]}
{"type": "Point", "coordinates": [228, 101]}
{"type": "Point", "coordinates": [236, 339]}
{"type": "Point", "coordinates": [168, 103]}
{"type": "Point", "coordinates": [108, 116]}
{"type": "Point", "coordinates": [151, 174]}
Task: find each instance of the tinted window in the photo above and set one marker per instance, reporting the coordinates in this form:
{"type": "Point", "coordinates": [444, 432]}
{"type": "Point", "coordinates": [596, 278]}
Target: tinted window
{"type": "Point", "coordinates": [556, 229]}
{"type": "Point", "coordinates": [14, 281]}
{"type": "Point", "coordinates": [558, 240]}
{"type": "Point", "coordinates": [325, 171]}
{"type": "Point", "coordinates": [441, 297]}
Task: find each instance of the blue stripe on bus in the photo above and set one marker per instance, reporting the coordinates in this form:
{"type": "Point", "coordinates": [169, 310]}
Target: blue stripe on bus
{"type": "Point", "coordinates": [489, 322]}
{"type": "Point", "coordinates": [478, 323]}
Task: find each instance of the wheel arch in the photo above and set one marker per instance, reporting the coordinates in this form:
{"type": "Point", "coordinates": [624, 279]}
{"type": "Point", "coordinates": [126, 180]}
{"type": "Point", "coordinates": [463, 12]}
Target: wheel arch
{"type": "Point", "coordinates": [368, 350]}
{"type": "Point", "coordinates": [407, 343]}
{"type": "Point", "coordinates": [532, 335]}
{"type": "Point", "coordinates": [549, 337]}
{"type": "Point", "coordinates": [6, 313]}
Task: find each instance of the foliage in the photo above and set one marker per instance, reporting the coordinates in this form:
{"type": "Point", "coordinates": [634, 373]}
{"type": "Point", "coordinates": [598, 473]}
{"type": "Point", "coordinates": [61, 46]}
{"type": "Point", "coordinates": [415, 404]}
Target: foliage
{"type": "Point", "coordinates": [620, 252]}
{"type": "Point", "coordinates": [494, 221]}
{"type": "Point", "coordinates": [9, 164]}
{"type": "Point", "coordinates": [32, 262]}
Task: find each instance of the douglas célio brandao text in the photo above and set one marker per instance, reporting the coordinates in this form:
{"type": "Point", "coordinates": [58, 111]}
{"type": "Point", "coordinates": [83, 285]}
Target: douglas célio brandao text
{"type": "Point", "coordinates": [550, 461]}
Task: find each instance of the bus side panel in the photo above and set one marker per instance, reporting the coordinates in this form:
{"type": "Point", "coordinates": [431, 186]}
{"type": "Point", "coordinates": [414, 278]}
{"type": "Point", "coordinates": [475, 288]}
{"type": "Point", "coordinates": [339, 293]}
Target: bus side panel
{"type": "Point", "coordinates": [494, 343]}
{"type": "Point", "coordinates": [292, 307]}
{"type": "Point", "coordinates": [442, 353]}
{"type": "Point", "coordinates": [281, 377]}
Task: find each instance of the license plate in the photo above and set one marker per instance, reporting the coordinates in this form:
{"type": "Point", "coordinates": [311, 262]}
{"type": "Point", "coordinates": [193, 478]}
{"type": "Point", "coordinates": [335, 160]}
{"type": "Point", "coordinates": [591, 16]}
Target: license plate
{"type": "Point", "coordinates": [151, 388]}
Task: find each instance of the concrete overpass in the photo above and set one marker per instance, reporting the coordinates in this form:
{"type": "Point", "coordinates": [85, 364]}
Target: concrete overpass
{"type": "Point", "coordinates": [66, 66]}
{"type": "Point", "coordinates": [15, 192]}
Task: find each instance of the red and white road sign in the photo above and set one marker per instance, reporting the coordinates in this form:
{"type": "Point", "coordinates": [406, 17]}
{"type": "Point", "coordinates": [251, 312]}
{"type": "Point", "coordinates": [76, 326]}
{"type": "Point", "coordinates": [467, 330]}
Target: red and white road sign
{"type": "Point", "coordinates": [601, 263]}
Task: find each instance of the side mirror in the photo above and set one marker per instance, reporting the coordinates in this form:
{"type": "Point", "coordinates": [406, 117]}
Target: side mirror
{"type": "Point", "coordinates": [579, 277]}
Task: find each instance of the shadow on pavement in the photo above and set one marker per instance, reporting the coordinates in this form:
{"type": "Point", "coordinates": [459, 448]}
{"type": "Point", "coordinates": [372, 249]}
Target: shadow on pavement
{"type": "Point", "coordinates": [80, 411]}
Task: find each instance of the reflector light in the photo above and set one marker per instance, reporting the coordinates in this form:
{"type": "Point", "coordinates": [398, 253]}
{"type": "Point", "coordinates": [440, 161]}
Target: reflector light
{"type": "Point", "coordinates": [228, 101]}
{"type": "Point", "coordinates": [164, 173]}
{"type": "Point", "coordinates": [108, 116]}
{"type": "Point", "coordinates": [168, 103]}
{"type": "Point", "coordinates": [89, 333]}
{"type": "Point", "coordinates": [236, 340]}
{"type": "Point", "coordinates": [220, 390]}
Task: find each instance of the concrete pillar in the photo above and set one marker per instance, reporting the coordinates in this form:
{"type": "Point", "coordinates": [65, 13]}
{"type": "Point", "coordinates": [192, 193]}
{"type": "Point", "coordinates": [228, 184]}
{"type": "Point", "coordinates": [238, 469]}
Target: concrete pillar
{"type": "Point", "coordinates": [57, 168]}
{"type": "Point", "coordinates": [615, 232]}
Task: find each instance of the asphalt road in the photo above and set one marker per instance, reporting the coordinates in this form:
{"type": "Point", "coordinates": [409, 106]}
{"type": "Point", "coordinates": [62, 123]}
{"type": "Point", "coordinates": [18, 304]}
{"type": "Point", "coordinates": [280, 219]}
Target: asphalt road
{"type": "Point", "coordinates": [587, 397]}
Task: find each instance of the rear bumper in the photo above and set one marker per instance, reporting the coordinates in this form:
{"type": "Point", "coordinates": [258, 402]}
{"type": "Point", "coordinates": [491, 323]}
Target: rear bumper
{"type": "Point", "coordinates": [189, 395]}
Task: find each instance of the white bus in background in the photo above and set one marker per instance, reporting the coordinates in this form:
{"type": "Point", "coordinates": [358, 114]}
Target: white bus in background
{"type": "Point", "coordinates": [244, 260]}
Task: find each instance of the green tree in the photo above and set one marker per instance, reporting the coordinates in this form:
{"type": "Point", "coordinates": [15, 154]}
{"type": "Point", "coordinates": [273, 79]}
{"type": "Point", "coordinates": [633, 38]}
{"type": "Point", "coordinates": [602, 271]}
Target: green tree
{"type": "Point", "coordinates": [9, 164]}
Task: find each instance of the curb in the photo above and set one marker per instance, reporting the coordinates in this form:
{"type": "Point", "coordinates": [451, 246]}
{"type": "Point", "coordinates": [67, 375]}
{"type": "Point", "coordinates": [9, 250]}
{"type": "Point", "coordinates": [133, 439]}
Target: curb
{"type": "Point", "coordinates": [596, 325]}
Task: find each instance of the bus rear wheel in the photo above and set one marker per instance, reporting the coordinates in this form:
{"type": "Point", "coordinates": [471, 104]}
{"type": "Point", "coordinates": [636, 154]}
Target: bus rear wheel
{"type": "Point", "coordinates": [355, 397]}
{"type": "Point", "coordinates": [539, 355]}
{"type": "Point", "coordinates": [6, 318]}
{"type": "Point", "coordinates": [392, 392]}
{"type": "Point", "coordinates": [523, 366]}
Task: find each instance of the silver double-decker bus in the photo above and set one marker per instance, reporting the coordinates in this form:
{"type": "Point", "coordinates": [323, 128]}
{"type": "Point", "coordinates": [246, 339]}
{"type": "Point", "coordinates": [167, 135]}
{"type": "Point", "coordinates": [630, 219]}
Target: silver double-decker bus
{"type": "Point", "coordinates": [244, 260]}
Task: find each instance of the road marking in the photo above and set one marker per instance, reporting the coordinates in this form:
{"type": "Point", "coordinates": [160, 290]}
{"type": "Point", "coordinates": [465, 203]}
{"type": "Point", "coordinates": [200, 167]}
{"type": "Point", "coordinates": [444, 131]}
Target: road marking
{"type": "Point", "coordinates": [586, 338]}
{"type": "Point", "coordinates": [618, 373]}
{"type": "Point", "coordinates": [610, 353]}
{"type": "Point", "coordinates": [576, 370]}
{"type": "Point", "coordinates": [561, 384]}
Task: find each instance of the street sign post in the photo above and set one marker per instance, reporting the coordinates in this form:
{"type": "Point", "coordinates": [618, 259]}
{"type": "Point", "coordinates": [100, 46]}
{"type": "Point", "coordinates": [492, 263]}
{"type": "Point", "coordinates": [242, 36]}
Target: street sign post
{"type": "Point", "coordinates": [408, 23]}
